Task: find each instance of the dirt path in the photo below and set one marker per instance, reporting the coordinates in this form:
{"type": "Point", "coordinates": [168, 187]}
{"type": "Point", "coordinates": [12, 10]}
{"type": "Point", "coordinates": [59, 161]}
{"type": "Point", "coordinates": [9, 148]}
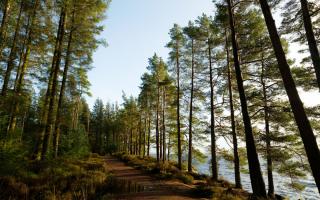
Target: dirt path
{"type": "Point", "coordinates": [135, 184]}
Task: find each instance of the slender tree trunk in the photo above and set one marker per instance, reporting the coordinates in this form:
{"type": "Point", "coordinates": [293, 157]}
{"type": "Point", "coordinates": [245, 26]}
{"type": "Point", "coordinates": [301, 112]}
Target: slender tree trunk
{"type": "Point", "coordinates": [163, 124]}
{"type": "Point", "coordinates": [52, 89]}
{"type": "Point", "coordinates": [157, 124]}
{"type": "Point", "coordinates": [149, 134]}
{"type": "Point", "coordinates": [191, 109]}
{"type": "Point", "coordinates": [131, 141]}
{"type": "Point", "coordinates": [178, 109]}
{"type": "Point", "coordinates": [5, 13]}
{"type": "Point", "coordinates": [140, 137]}
{"type": "Point", "coordinates": [144, 135]}
{"type": "Point", "coordinates": [25, 58]}
{"type": "Point", "coordinates": [257, 182]}
{"type": "Point", "coordinates": [27, 45]}
{"type": "Point", "coordinates": [312, 43]}
{"type": "Point", "coordinates": [236, 159]}
{"type": "Point", "coordinates": [214, 165]}
{"type": "Point", "coordinates": [56, 134]}
{"type": "Point", "coordinates": [75, 115]}
{"type": "Point", "coordinates": [169, 145]}
{"type": "Point", "coordinates": [267, 130]}
{"type": "Point", "coordinates": [306, 132]}
{"type": "Point", "coordinates": [15, 108]}
{"type": "Point", "coordinates": [160, 127]}
{"type": "Point", "coordinates": [12, 55]}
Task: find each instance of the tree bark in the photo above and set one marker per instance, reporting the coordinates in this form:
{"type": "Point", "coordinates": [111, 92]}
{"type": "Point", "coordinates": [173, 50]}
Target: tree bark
{"type": "Point", "coordinates": [144, 135]}
{"type": "Point", "coordinates": [163, 124]}
{"type": "Point", "coordinates": [191, 108]}
{"type": "Point", "coordinates": [56, 134]}
{"type": "Point", "coordinates": [267, 130]}
{"type": "Point", "coordinates": [3, 25]}
{"type": "Point", "coordinates": [178, 109]}
{"type": "Point", "coordinates": [157, 123]}
{"type": "Point", "coordinates": [306, 132]}
{"type": "Point", "coordinates": [214, 165]}
{"type": "Point", "coordinates": [52, 88]}
{"type": "Point", "coordinates": [140, 137]}
{"type": "Point", "coordinates": [236, 159]}
{"type": "Point", "coordinates": [257, 182]}
{"type": "Point", "coordinates": [149, 134]}
{"type": "Point", "coordinates": [12, 55]}
{"type": "Point", "coordinates": [313, 48]}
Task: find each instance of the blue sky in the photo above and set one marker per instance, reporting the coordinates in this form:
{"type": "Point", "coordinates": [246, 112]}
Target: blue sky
{"type": "Point", "coordinates": [135, 30]}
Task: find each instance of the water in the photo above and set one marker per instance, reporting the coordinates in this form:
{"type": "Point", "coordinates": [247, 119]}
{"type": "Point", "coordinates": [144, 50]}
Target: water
{"type": "Point", "coordinates": [281, 182]}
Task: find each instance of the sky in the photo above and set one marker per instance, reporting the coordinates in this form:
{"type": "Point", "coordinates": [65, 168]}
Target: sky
{"type": "Point", "coordinates": [134, 31]}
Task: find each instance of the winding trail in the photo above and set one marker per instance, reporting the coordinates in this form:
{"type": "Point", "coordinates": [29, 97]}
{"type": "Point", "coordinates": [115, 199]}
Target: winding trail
{"type": "Point", "coordinates": [139, 185]}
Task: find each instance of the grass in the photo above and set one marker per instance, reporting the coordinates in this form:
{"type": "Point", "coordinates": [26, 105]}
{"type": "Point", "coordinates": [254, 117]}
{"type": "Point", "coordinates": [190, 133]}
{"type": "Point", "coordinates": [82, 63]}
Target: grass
{"type": "Point", "coordinates": [56, 179]}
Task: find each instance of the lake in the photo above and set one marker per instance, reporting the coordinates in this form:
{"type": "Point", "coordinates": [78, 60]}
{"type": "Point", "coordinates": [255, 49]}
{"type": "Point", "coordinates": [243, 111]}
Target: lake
{"type": "Point", "coordinates": [281, 182]}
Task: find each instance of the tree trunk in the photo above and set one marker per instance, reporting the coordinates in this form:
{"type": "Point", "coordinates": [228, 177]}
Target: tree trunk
{"type": "Point", "coordinates": [144, 135]}
{"type": "Point", "coordinates": [5, 13]}
{"type": "Point", "coordinates": [163, 124]}
{"type": "Point", "coordinates": [214, 165]}
{"type": "Point", "coordinates": [12, 55]}
{"type": "Point", "coordinates": [157, 123]}
{"type": "Point", "coordinates": [311, 39]}
{"type": "Point", "coordinates": [178, 110]}
{"type": "Point", "coordinates": [131, 141]}
{"type": "Point", "coordinates": [236, 159]}
{"type": "Point", "coordinates": [149, 134]}
{"type": "Point", "coordinates": [56, 134]}
{"type": "Point", "coordinates": [306, 132]}
{"type": "Point", "coordinates": [267, 130]}
{"type": "Point", "coordinates": [169, 143]}
{"type": "Point", "coordinates": [160, 127]}
{"type": "Point", "coordinates": [257, 182]}
{"type": "Point", "coordinates": [191, 108]}
{"type": "Point", "coordinates": [140, 137]}
{"type": "Point", "coordinates": [20, 71]}
{"type": "Point", "coordinates": [52, 89]}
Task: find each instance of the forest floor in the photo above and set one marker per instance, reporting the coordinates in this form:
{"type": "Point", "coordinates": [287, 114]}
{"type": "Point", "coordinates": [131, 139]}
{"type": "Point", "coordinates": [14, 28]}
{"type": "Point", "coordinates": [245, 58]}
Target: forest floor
{"type": "Point", "coordinates": [132, 181]}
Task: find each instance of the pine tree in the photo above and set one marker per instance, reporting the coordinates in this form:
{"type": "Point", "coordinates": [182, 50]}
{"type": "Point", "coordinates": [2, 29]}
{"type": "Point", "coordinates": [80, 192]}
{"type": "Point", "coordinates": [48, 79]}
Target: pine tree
{"type": "Point", "coordinates": [176, 44]}
{"type": "Point", "coordinates": [301, 118]}
{"type": "Point", "coordinates": [257, 182]}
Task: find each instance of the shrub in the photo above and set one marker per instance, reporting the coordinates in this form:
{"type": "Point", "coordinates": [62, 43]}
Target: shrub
{"type": "Point", "coordinates": [203, 191]}
{"type": "Point", "coordinates": [74, 144]}
{"type": "Point", "coordinates": [185, 178]}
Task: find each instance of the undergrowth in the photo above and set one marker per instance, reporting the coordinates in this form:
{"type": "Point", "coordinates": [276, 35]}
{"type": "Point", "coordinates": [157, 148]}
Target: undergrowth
{"type": "Point", "coordinates": [55, 179]}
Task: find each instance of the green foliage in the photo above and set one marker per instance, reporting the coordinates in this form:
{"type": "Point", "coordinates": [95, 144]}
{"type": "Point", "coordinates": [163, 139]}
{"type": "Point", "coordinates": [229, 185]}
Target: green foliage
{"type": "Point", "coordinates": [75, 144]}
{"type": "Point", "coordinates": [185, 178]}
{"type": "Point", "coordinates": [13, 157]}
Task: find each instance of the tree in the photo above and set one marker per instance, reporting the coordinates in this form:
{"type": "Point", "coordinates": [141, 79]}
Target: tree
{"type": "Point", "coordinates": [257, 182]}
{"type": "Point", "coordinates": [301, 118]}
{"type": "Point", "coordinates": [176, 43]}
{"type": "Point", "coordinates": [191, 31]}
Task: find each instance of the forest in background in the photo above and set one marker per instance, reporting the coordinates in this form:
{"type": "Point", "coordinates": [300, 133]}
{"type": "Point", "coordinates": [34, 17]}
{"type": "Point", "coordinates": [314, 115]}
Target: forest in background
{"type": "Point", "coordinates": [228, 78]}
